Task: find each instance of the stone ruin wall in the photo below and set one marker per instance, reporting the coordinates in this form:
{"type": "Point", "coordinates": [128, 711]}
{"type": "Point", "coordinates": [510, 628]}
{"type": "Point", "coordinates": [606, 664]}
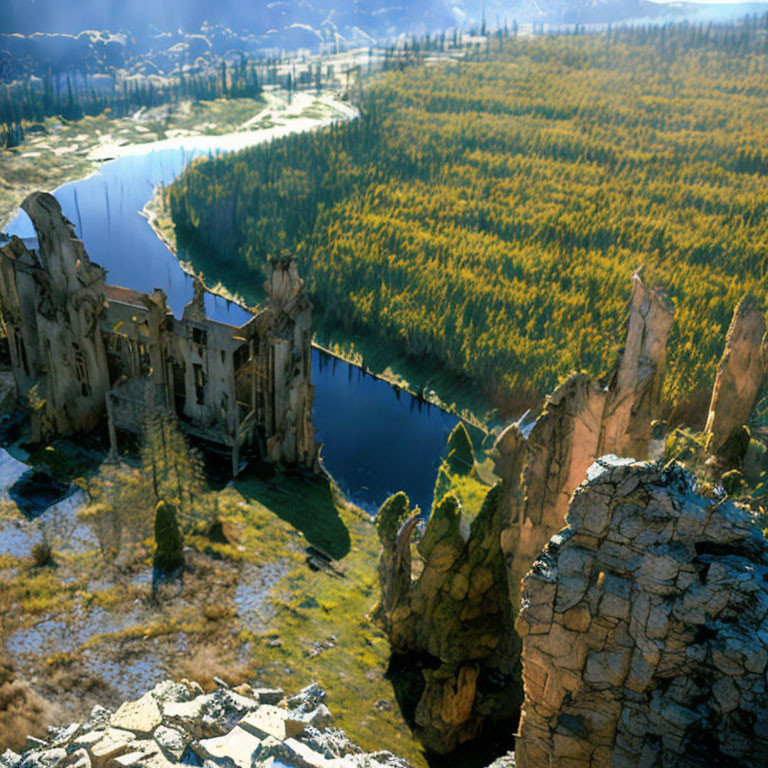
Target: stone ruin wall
{"type": "Point", "coordinates": [86, 350]}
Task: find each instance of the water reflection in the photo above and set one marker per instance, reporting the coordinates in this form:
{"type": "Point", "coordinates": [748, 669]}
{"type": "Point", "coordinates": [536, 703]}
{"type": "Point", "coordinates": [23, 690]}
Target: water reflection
{"type": "Point", "coordinates": [376, 439]}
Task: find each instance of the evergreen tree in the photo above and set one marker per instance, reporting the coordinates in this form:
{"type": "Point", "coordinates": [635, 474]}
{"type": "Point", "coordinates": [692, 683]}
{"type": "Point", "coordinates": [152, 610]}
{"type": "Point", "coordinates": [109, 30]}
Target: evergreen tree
{"type": "Point", "coordinates": [169, 551]}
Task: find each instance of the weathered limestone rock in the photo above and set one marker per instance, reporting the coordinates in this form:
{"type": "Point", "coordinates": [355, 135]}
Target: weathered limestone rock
{"type": "Point", "coordinates": [643, 626]}
{"type": "Point", "coordinates": [740, 373]}
{"type": "Point", "coordinates": [581, 420]}
{"type": "Point", "coordinates": [141, 716]}
{"type": "Point", "coordinates": [634, 391]}
{"type": "Point", "coordinates": [561, 446]}
{"type": "Point", "coordinates": [457, 611]}
{"type": "Point", "coordinates": [248, 734]}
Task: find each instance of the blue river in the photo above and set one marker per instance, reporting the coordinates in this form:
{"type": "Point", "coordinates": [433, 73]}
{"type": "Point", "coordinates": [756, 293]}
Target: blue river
{"type": "Point", "coordinates": [376, 439]}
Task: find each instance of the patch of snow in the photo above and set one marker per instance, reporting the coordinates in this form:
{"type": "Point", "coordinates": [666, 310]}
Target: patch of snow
{"type": "Point", "coordinates": [10, 471]}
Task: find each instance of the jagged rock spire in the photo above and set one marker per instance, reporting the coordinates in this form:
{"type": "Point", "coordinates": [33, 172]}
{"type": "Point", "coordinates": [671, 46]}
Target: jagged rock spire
{"type": "Point", "coordinates": [740, 373]}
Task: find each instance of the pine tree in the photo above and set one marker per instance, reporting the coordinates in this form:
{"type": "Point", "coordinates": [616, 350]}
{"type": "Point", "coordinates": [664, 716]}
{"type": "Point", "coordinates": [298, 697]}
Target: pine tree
{"type": "Point", "coordinates": [169, 552]}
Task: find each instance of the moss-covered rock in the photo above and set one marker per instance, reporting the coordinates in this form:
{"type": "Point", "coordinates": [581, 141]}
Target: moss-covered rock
{"type": "Point", "coordinates": [391, 515]}
{"type": "Point", "coordinates": [443, 484]}
{"type": "Point", "coordinates": [461, 456]}
{"type": "Point", "coordinates": [458, 612]}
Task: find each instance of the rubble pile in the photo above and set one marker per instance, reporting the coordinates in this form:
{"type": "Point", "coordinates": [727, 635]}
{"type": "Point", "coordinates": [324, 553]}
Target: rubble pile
{"type": "Point", "coordinates": [178, 724]}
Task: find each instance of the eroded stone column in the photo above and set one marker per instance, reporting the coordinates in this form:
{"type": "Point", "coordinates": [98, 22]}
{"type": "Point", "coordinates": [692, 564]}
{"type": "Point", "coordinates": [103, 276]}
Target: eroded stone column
{"type": "Point", "coordinates": [581, 420]}
{"type": "Point", "coordinates": [634, 393]}
{"type": "Point", "coordinates": [456, 611]}
{"type": "Point", "coordinates": [740, 373]}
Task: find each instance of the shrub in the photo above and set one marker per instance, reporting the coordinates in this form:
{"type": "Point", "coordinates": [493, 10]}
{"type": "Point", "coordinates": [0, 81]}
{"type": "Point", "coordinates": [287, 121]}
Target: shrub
{"type": "Point", "coordinates": [169, 555]}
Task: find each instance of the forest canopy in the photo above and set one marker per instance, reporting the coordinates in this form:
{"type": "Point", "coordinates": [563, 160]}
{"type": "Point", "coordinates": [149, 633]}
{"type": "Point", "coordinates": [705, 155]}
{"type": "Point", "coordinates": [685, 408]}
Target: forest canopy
{"type": "Point", "coordinates": [487, 213]}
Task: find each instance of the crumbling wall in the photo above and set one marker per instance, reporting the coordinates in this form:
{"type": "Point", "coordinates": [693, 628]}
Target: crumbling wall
{"type": "Point", "coordinates": [52, 318]}
{"type": "Point", "coordinates": [72, 340]}
{"type": "Point", "coordinates": [286, 356]}
{"type": "Point", "coordinates": [643, 626]}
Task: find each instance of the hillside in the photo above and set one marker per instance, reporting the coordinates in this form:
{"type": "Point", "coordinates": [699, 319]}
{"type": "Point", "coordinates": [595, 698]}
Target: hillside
{"type": "Point", "coordinates": [485, 215]}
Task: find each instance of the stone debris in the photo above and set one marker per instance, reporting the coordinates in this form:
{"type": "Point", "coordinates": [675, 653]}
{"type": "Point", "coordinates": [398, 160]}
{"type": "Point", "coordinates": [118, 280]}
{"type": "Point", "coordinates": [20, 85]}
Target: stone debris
{"type": "Point", "coordinates": [141, 716]}
{"type": "Point", "coordinates": [740, 374]}
{"type": "Point", "coordinates": [177, 724]}
{"type": "Point", "coordinates": [644, 629]}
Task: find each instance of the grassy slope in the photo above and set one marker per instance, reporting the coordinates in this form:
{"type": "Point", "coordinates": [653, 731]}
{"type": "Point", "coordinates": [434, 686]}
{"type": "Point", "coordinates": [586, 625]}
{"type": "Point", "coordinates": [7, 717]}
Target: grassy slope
{"type": "Point", "coordinates": [250, 608]}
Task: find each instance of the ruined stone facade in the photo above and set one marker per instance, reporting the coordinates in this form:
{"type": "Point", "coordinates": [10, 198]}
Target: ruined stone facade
{"type": "Point", "coordinates": [643, 626]}
{"type": "Point", "coordinates": [89, 350]}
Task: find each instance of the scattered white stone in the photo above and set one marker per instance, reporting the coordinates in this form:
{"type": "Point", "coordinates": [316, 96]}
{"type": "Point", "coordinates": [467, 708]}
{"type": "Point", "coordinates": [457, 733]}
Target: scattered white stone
{"type": "Point", "coordinates": [113, 743]}
{"type": "Point", "coordinates": [236, 747]}
{"type": "Point", "coordinates": [269, 695]}
{"type": "Point", "coordinates": [141, 716]}
{"type": "Point", "coordinates": [273, 721]}
{"type": "Point", "coordinates": [265, 737]}
{"type": "Point", "coordinates": [170, 741]}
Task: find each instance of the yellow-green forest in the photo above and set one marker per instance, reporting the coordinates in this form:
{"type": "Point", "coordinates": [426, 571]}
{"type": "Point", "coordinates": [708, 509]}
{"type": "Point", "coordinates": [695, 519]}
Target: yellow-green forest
{"type": "Point", "coordinates": [486, 213]}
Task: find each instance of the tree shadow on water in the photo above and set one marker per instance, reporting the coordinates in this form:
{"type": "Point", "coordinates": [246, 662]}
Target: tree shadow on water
{"type": "Point", "coordinates": [306, 502]}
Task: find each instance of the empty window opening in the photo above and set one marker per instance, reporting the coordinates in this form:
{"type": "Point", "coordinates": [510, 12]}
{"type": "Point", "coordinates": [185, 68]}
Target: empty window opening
{"type": "Point", "coordinates": [81, 371]}
{"type": "Point", "coordinates": [199, 383]}
{"type": "Point", "coordinates": [199, 336]}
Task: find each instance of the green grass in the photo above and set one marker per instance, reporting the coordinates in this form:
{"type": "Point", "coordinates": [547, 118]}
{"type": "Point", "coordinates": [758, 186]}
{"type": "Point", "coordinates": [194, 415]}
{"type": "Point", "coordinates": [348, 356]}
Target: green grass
{"type": "Point", "coordinates": [313, 624]}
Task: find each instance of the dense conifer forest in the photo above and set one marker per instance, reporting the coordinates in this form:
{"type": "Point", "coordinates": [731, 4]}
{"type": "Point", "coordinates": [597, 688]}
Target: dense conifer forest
{"type": "Point", "coordinates": [487, 213]}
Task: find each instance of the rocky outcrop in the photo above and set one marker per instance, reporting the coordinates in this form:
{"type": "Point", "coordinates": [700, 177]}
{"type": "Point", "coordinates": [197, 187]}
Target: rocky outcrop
{"type": "Point", "coordinates": [452, 610]}
{"type": "Point", "coordinates": [456, 611]}
{"type": "Point", "coordinates": [633, 390]}
{"type": "Point", "coordinates": [643, 626]}
{"type": "Point", "coordinates": [740, 374]}
{"type": "Point", "coordinates": [177, 724]}
{"type": "Point", "coordinates": [584, 419]}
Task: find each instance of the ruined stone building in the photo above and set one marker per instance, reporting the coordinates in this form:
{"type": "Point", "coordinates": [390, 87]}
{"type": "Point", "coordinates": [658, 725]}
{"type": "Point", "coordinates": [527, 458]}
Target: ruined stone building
{"type": "Point", "coordinates": [84, 350]}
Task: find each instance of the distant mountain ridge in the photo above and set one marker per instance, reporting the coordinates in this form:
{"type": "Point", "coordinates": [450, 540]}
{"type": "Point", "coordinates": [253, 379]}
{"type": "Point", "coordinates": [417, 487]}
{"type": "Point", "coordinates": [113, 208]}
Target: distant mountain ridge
{"type": "Point", "coordinates": [301, 23]}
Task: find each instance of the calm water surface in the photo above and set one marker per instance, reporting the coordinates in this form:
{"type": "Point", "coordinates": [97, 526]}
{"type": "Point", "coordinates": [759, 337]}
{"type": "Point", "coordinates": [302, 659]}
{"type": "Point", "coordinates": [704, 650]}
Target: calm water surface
{"type": "Point", "coordinates": [376, 440]}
